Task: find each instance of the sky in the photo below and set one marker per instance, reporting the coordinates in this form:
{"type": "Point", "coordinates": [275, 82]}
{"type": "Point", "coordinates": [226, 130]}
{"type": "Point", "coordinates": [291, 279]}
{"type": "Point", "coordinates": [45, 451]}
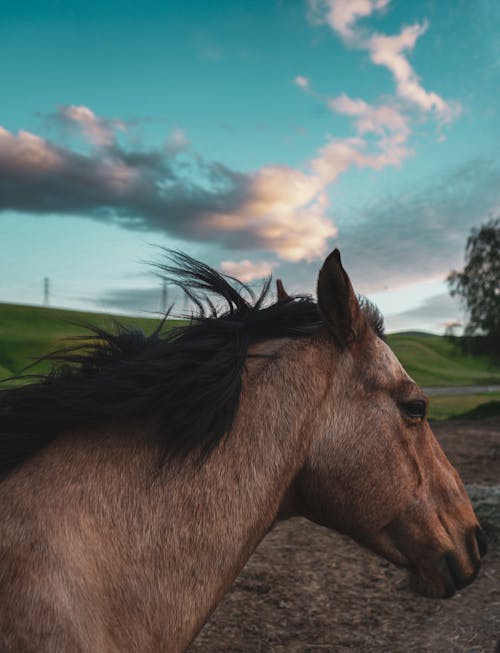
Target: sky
{"type": "Point", "coordinates": [256, 136]}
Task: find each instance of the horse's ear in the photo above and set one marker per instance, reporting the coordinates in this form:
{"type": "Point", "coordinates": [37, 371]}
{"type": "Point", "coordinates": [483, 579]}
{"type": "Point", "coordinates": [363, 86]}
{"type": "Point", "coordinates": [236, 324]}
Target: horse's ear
{"type": "Point", "coordinates": [337, 301]}
{"type": "Point", "coordinates": [283, 296]}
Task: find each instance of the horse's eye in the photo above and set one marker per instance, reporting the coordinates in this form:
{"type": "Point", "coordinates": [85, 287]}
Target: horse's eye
{"type": "Point", "coordinates": [415, 408]}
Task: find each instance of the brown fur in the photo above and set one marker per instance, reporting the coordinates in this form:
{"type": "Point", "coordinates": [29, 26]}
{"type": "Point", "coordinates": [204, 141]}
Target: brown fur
{"type": "Point", "coordinates": [102, 550]}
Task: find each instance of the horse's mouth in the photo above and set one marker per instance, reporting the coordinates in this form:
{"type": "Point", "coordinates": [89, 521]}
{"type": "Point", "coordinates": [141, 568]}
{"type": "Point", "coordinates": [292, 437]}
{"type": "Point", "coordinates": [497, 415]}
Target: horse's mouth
{"type": "Point", "coordinates": [444, 581]}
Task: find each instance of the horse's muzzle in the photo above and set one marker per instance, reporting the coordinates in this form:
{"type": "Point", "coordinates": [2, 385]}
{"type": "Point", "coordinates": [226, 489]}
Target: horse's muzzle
{"type": "Point", "coordinates": [449, 576]}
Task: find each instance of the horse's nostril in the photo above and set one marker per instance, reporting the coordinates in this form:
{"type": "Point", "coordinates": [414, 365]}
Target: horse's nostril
{"type": "Point", "coordinates": [482, 542]}
{"type": "Point", "coordinates": [458, 577]}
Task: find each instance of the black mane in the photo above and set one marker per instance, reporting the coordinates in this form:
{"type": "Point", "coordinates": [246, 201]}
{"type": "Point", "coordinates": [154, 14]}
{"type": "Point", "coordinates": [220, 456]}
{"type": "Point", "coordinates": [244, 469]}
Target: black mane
{"type": "Point", "coordinates": [190, 374]}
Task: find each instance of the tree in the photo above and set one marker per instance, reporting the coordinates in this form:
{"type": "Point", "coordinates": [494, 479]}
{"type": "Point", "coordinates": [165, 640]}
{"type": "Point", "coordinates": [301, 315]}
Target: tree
{"type": "Point", "coordinates": [479, 286]}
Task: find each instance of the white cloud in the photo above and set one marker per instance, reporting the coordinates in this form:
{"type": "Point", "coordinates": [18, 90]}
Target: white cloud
{"type": "Point", "coordinates": [301, 82]}
{"type": "Point", "coordinates": [370, 118]}
{"type": "Point", "coordinates": [387, 51]}
{"type": "Point", "coordinates": [342, 15]}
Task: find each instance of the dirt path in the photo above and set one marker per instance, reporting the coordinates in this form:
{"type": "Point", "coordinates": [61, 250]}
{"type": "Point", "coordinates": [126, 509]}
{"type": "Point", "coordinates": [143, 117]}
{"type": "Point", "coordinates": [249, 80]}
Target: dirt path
{"type": "Point", "coordinates": [307, 589]}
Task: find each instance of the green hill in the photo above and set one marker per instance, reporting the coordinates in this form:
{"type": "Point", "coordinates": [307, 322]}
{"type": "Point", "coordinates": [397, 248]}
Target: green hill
{"type": "Point", "coordinates": [27, 332]}
{"type": "Point", "coordinates": [433, 361]}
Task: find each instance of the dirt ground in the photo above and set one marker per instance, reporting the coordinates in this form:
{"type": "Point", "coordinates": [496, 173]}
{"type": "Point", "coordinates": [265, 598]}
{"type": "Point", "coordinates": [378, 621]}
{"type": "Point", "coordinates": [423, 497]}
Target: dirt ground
{"type": "Point", "coordinates": [307, 589]}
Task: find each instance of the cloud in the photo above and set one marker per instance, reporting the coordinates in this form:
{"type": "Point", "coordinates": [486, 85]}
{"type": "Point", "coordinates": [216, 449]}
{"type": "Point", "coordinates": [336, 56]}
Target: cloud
{"type": "Point", "coordinates": [342, 15]}
{"type": "Point", "coordinates": [131, 300]}
{"type": "Point", "coordinates": [247, 270]}
{"type": "Point", "coordinates": [284, 209]}
{"type": "Point", "coordinates": [301, 82]}
{"type": "Point", "coordinates": [177, 141]}
{"type": "Point", "coordinates": [388, 123]}
{"type": "Point", "coordinates": [81, 120]}
{"type": "Point", "coordinates": [438, 308]}
{"type": "Point", "coordinates": [434, 313]}
{"type": "Point", "coordinates": [340, 154]}
{"type": "Point", "coordinates": [97, 130]}
{"type": "Point", "coordinates": [173, 190]}
{"type": "Point", "coordinates": [420, 232]}
{"type": "Point", "coordinates": [387, 51]}
{"type": "Point", "coordinates": [414, 235]}
{"type": "Point", "coordinates": [417, 234]}
{"type": "Point", "coordinates": [39, 177]}
{"type": "Point", "coordinates": [370, 118]}
{"type": "Point", "coordinates": [143, 301]}
{"type": "Point", "coordinates": [383, 128]}
{"type": "Point", "coordinates": [277, 208]}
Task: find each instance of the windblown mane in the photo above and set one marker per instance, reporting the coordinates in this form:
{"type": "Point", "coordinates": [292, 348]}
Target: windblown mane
{"type": "Point", "coordinates": [190, 374]}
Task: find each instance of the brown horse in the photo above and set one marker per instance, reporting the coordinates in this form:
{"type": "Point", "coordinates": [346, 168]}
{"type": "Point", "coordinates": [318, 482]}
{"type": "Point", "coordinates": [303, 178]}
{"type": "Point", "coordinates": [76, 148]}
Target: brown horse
{"type": "Point", "coordinates": [140, 477]}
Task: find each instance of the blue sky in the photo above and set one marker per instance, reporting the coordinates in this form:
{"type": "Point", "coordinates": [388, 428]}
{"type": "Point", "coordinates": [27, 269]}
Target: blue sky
{"type": "Point", "coordinates": [254, 135]}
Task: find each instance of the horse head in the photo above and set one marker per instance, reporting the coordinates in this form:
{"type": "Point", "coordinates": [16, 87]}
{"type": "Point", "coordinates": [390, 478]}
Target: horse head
{"type": "Point", "coordinates": [374, 469]}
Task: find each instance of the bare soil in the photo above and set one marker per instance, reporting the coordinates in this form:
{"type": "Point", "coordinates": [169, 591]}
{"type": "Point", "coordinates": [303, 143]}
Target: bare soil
{"type": "Point", "coordinates": [307, 589]}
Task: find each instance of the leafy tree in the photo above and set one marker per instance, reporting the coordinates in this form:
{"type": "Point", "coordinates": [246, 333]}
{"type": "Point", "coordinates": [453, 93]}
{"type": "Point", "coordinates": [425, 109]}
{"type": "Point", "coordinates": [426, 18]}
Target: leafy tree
{"type": "Point", "coordinates": [479, 287]}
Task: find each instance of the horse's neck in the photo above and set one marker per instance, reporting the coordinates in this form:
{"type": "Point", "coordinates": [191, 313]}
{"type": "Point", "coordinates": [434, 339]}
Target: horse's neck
{"type": "Point", "coordinates": [217, 514]}
{"type": "Point", "coordinates": [200, 523]}
{"type": "Point", "coordinates": [147, 555]}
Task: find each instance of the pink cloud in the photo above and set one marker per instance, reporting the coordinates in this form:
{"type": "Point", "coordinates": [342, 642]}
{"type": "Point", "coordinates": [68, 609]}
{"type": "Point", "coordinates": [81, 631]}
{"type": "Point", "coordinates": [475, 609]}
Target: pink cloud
{"type": "Point", "coordinates": [285, 210]}
{"type": "Point", "coordinates": [340, 154]}
{"type": "Point", "coordinates": [33, 162]}
{"type": "Point", "coordinates": [288, 211]}
{"type": "Point", "coordinates": [28, 152]}
{"type": "Point", "coordinates": [247, 270]}
{"type": "Point", "coordinates": [97, 130]}
{"type": "Point", "coordinates": [276, 208]}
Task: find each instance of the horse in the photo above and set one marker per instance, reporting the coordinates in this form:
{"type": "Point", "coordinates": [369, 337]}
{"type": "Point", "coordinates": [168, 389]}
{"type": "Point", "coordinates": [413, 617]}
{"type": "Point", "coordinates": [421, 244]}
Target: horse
{"type": "Point", "coordinates": [138, 476]}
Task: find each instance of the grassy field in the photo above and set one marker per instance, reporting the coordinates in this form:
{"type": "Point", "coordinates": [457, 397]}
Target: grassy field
{"type": "Point", "coordinates": [27, 332]}
{"type": "Point", "coordinates": [466, 406]}
{"type": "Point", "coordinates": [433, 361]}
